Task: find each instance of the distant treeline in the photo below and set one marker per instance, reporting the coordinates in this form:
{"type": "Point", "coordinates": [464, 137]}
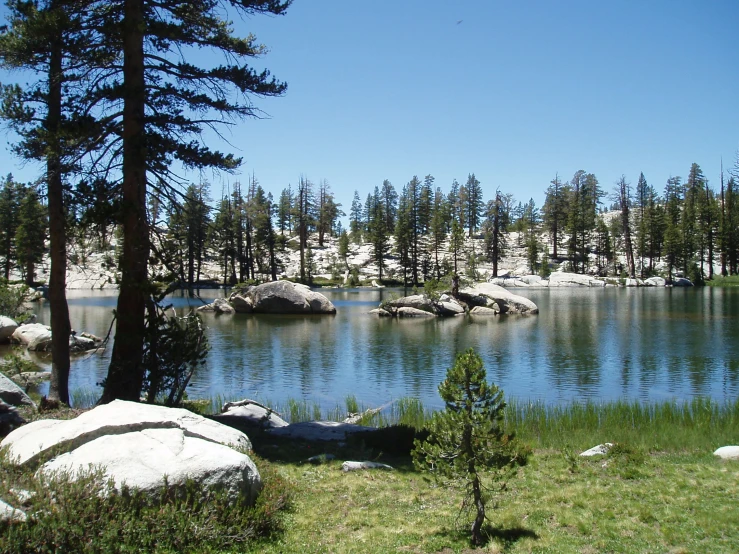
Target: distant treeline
{"type": "Point", "coordinates": [690, 228]}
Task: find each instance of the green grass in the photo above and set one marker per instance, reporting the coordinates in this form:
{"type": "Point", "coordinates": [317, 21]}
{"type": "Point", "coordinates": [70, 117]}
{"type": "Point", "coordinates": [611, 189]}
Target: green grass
{"type": "Point", "coordinates": [660, 489]}
{"type": "Point", "coordinates": [698, 424]}
{"type": "Point", "coordinates": [689, 425]}
{"type": "Point", "coordinates": [720, 281]}
{"type": "Point", "coordinates": [631, 501]}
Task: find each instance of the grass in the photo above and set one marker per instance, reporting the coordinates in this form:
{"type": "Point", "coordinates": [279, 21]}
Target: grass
{"type": "Point", "coordinates": [720, 281]}
{"type": "Point", "coordinates": [628, 501]}
{"type": "Point", "coordinates": [660, 489]}
{"type": "Point", "coordinates": [698, 424]}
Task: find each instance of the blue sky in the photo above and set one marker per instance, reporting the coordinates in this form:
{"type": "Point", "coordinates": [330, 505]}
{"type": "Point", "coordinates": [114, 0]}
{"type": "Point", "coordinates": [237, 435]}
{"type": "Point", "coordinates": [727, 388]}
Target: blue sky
{"type": "Point", "coordinates": [511, 91]}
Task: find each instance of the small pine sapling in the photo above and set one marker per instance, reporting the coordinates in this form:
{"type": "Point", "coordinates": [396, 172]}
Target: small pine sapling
{"type": "Point", "coordinates": [467, 437]}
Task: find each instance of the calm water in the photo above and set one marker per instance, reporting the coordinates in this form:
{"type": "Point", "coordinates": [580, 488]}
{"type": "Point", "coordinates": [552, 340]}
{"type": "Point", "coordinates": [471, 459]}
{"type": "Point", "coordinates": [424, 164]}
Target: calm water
{"type": "Point", "coordinates": [600, 344]}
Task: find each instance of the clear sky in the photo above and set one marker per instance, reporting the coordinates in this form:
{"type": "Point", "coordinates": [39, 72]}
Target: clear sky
{"type": "Point", "coordinates": [511, 91]}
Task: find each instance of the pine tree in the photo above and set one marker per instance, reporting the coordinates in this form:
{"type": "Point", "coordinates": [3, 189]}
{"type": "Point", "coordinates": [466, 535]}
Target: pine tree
{"type": "Point", "coordinates": [355, 219]}
{"type": "Point", "coordinates": [403, 234]}
{"type": "Point", "coordinates": [468, 437]}
{"type": "Point", "coordinates": [11, 193]}
{"type": "Point", "coordinates": [673, 243]}
{"type": "Point", "coordinates": [285, 210]}
{"type": "Point", "coordinates": [439, 219]}
{"type": "Point", "coordinates": [555, 212]}
{"type": "Point", "coordinates": [304, 221]}
{"type": "Point", "coordinates": [53, 40]}
{"type": "Point", "coordinates": [389, 199]}
{"type": "Point", "coordinates": [160, 100]}
{"type": "Point", "coordinates": [475, 205]}
{"type": "Point", "coordinates": [328, 211]}
{"type": "Point", "coordinates": [496, 226]}
{"type": "Point", "coordinates": [624, 199]}
{"type": "Point", "coordinates": [377, 233]}
{"type": "Point", "coordinates": [456, 244]}
{"type": "Point", "coordinates": [31, 234]}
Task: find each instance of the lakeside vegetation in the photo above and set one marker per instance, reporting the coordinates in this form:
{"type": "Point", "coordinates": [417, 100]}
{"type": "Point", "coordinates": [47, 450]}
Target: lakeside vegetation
{"type": "Point", "coordinates": [660, 489]}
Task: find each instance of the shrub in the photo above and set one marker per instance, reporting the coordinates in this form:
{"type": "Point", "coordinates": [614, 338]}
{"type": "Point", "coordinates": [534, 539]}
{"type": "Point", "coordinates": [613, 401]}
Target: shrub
{"type": "Point", "coordinates": [88, 515]}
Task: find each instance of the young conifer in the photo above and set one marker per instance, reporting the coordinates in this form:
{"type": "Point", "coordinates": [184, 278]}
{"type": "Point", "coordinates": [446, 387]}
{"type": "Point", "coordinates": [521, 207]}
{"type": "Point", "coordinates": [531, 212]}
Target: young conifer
{"type": "Point", "coordinates": [468, 437]}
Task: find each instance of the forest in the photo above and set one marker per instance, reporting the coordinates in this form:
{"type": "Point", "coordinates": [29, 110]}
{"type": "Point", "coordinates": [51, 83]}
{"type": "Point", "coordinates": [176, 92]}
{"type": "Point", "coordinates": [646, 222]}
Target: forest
{"type": "Point", "coordinates": [581, 226]}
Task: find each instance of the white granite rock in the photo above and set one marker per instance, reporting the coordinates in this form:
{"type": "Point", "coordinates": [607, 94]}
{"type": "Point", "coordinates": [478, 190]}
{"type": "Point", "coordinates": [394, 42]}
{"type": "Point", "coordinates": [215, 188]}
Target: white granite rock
{"type": "Point", "coordinates": [12, 393]}
{"type": "Point", "coordinates": [655, 282]}
{"type": "Point", "coordinates": [33, 443]}
{"type": "Point", "coordinates": [10, 514]}
{"type": "Point", "coordinates": [600, 450]}
{"type": "Point", "coordinates": [487, 294]}
{"type": "Point", "coordinates": [146, 459]}
{"type": "Point", "coordinates": [7, 328]}
{"type": "Point", "coordinates": [727, 452]}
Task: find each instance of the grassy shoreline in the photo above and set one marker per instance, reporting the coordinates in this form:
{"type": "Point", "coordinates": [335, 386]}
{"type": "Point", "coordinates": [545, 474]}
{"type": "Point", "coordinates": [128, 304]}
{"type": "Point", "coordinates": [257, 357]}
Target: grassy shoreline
{"type": "Point", "coordinates": [660, 490]}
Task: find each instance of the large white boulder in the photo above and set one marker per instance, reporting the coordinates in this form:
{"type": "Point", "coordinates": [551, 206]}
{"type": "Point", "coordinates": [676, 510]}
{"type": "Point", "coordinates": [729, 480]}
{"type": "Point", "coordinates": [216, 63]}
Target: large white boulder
{"type": "Point", "coordinates": [33, 336]}
{"type": "Point", "coordinates": [487, 294]}
{"type": "Point", "coordinates": [36, 337]}
{"type": "Point", "coordinates": [146, 459]}
{"type": "Point", "coordinates": [407, 311]}
{"type": "Point", "coordinates": [140, 446]}
{"type": "Point", "coordinates": [284, 297]}
{"type": "Point", "coordinates": [40, 440]}
{"type": "Point", "coordinates": [248, 413]}
{"type": "Point", "coordinates": [7, 328]}
{"type": "Point", "coordinates": [563, 279]}
{"type": "Point", "coordinates": [655, 282]}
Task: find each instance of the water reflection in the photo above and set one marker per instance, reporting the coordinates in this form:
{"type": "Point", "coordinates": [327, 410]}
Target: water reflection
{"type": "Point", "coordinates": [646, 344]}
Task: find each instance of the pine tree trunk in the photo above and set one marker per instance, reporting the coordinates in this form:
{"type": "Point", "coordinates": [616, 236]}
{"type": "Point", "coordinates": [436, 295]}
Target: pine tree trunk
{"type": "Point", "coordinates": [477, 538]}
{"type": "Point", "coordinates": [60, 325]}
{"type": "Point", "coordinates": [126, 372]}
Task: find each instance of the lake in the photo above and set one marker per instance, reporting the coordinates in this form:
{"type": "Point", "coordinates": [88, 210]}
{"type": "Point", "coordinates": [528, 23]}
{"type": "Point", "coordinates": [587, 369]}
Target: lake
{"type": "Point", "coordinates": [599, 344]}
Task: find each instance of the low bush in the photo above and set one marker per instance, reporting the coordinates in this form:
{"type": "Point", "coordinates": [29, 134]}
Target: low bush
{"type": "Point", "coordinates": [88, 515]}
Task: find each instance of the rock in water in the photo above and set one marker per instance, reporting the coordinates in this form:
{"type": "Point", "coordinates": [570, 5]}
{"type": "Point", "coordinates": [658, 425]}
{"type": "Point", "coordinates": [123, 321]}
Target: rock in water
{"type": "Point", "coordinates": [7, 328]}
{"type": "Point", "coordinates": [284, 297]}
{"type": "Point", "coordinates": [487, 294]}
{"type": "Point", "coordinates": [34, 336]}
{"type": "Point", "coordinates": [219, 306]}
{"type": "Point", "coordinates": [12, 393]}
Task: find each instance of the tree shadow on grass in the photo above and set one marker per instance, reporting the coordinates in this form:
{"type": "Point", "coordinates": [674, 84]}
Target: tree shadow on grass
{"type": "Point", "coordinates": [506, 537]}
